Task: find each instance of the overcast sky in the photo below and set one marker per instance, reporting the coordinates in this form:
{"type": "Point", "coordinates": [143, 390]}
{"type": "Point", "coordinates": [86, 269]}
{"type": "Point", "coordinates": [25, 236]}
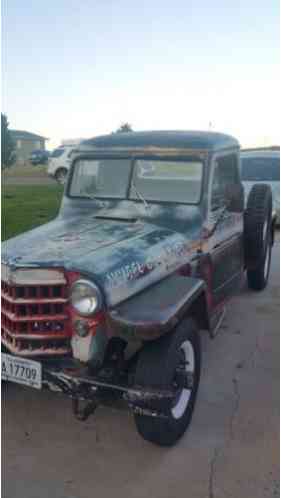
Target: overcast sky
{"type": "Point", "coordinates": [75, 68]}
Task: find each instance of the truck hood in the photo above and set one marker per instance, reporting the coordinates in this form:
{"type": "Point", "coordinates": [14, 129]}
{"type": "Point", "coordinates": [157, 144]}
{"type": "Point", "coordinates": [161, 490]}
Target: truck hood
{"type": "Point", "coordinates": [122, 257]}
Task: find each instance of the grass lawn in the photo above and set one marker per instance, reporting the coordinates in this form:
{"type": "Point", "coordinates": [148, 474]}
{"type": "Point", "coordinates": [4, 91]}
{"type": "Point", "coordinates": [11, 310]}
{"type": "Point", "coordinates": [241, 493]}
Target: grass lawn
{"type": "Point", "coordinates": [25, 207]}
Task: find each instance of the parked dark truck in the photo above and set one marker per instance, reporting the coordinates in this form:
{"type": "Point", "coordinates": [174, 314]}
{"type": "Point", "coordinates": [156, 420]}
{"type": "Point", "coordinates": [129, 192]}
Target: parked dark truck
{"type": "Point", "coordinates": [105, 303]}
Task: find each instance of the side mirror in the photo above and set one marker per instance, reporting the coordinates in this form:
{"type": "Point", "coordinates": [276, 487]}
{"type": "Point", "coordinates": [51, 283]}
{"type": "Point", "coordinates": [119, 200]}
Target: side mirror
{"type": "Point", "coordinates": [234, 197]}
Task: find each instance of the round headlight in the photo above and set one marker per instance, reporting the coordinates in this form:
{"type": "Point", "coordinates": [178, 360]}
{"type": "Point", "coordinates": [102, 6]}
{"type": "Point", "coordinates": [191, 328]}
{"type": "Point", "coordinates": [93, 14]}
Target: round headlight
{"type": "Point", "coordinates": [85, 297]}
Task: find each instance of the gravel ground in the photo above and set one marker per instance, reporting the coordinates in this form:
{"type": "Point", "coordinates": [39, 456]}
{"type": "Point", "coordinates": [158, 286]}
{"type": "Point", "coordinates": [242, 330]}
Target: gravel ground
{"type": "Point", "coordinates": [230, 451]}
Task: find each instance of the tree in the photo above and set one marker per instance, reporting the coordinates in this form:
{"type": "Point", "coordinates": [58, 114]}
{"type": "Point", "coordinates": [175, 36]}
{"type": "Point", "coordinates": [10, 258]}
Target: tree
{"type": "Point", "coordinates": [7, 144]}
{"type": "Point", "coordinates": [124, 128]}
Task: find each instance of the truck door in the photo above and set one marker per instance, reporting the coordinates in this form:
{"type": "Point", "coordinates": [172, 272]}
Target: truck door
{"type": "Point", "coordinates": [226, 227]}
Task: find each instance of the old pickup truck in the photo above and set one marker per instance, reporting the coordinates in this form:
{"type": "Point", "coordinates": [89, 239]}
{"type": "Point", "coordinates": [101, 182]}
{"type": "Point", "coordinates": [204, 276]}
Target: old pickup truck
{"type": "Point", "coordinates": [106, 302]}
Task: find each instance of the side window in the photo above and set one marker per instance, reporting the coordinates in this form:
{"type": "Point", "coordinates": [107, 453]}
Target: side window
{"type": "Point", "coordinates": [225, 174]}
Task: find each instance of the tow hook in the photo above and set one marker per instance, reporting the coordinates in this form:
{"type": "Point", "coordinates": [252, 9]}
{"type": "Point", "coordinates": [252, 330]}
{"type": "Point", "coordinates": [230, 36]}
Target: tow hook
{"type": "Point", "coordinates": [83, 413]}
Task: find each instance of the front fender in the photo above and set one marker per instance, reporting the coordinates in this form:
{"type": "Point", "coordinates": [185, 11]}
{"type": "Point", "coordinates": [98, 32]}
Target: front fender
{"type": "Point", "coordinates": [155, 311]}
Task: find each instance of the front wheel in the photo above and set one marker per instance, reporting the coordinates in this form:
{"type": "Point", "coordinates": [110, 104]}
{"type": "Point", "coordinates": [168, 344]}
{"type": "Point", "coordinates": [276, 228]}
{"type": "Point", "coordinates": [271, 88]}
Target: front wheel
{"type": "Point", "coordinates": [157, 367]}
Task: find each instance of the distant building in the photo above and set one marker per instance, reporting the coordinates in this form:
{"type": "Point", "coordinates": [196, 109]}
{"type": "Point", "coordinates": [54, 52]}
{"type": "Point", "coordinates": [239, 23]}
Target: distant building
{"type": "Point", "coordinates": [26, 142]}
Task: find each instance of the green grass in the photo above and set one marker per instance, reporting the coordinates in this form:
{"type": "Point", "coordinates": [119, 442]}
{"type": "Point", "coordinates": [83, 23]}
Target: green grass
{"type": "Point", "coordinates": [25, 207]}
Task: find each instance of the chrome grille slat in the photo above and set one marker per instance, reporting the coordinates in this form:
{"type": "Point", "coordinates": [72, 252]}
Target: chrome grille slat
{"type": "Point", "coordinates": [32, 318]}
{"type": "Point", "coordinates": [32, 301]}
{"type": "Point", "coordinates": [34, 337]}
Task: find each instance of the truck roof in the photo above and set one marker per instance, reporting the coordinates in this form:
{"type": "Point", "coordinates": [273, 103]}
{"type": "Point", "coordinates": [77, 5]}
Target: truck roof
{"type": "Point", "coordinates": [192, 140]}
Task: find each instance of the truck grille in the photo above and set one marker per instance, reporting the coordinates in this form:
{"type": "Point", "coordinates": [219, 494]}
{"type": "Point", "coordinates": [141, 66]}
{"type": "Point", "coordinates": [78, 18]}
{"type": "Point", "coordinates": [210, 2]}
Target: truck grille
{"type": "Point", "coordinates": [34, 319]}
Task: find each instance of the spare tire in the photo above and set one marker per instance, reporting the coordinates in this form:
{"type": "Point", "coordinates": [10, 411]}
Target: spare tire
{"type": "Point", "coordinates": [257, 236]}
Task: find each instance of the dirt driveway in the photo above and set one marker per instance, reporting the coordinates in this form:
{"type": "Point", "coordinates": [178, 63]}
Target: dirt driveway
{"type": "Point", "coordinates": [230, 451]}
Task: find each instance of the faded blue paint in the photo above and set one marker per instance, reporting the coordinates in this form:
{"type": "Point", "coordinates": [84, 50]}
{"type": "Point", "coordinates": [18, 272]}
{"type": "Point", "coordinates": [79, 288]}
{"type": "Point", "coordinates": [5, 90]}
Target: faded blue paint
{"type": "Point", "coordinates": [123, 257]}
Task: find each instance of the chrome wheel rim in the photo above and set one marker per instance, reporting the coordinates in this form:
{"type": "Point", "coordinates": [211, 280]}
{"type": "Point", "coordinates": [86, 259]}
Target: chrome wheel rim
{"type": "Point", "coordinates": [183, 396]}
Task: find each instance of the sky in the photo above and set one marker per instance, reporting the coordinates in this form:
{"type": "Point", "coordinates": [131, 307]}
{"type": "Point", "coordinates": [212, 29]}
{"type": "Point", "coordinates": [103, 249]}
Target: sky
{"type": "Point", "coordinates": [73, 68]}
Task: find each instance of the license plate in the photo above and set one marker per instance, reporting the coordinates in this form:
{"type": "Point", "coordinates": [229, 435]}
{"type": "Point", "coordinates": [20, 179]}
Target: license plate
{"type": "Point", "coordinates": [21, 371]}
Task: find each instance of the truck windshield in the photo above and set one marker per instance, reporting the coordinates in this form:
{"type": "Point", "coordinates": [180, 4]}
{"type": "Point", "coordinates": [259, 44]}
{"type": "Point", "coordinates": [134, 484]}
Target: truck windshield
{"type": "Point", "coordinates": [152, 180]}
{"type": "Point", "coordinates": [168, 181]}
{"type": "Point", "coordinates": [101, 178]}
{"type": "Point", "coordinates": [260, 169]}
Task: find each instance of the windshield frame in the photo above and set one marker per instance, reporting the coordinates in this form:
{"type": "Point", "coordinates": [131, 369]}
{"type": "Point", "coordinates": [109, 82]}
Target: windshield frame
{"type": "Point", "coordinates": [133, 160]}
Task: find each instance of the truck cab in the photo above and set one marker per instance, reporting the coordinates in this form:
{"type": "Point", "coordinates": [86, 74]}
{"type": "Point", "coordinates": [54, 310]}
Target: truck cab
{"type": "Point", "coordinates": [108, 300]}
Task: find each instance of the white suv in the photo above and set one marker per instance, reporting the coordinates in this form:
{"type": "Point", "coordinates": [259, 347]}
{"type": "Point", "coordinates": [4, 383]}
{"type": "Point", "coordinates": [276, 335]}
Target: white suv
{"type": "Point", "coordinates": [59, 162]}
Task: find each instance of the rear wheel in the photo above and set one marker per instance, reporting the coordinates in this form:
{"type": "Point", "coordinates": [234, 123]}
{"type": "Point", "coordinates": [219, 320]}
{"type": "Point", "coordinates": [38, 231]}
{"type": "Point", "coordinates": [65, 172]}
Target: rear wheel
{"type": "Point", "coordinates": [258, 236]}
{"type": "Point", "coordinates": [61, 175]}
{"type": "Point", "coordinates": [157, 367]}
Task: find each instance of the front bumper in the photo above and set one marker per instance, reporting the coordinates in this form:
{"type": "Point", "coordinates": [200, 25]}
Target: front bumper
{"type": "Point", "coordinates": [75, 381]}
{"type": "Point", "coordinates": [109, 387]}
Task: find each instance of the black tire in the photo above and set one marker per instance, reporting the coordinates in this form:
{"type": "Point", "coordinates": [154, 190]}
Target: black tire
{"type": "Point", "coordinates": [156, 367]}
{"type": "Point", "coordinates": [258, 236]}
{"type": "Point", "coordinates": [61, 175]}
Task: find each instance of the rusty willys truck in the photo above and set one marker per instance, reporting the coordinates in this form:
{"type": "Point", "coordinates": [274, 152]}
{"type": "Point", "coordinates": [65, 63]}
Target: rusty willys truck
{"type": "Point", "coordinates": [106, 303]}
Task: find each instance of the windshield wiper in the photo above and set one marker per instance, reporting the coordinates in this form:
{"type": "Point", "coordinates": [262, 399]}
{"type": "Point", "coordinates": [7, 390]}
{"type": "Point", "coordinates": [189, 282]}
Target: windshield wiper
{"type": "Point", "coordinates": [140, 196]}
